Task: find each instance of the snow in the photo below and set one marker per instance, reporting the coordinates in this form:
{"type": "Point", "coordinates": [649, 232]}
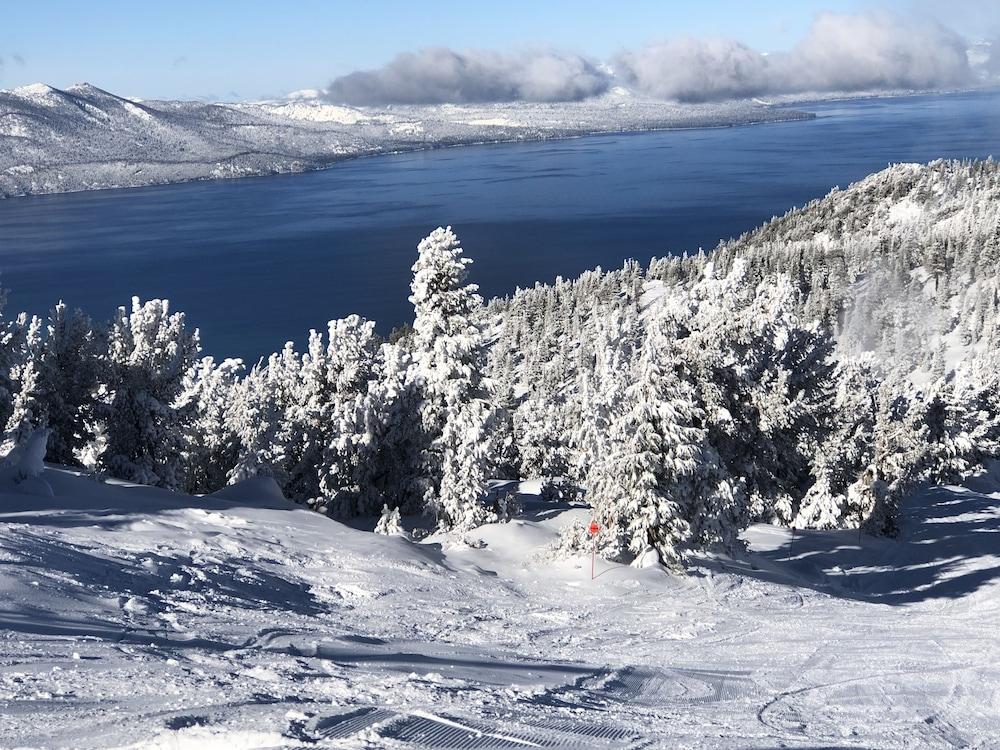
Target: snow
{"type": "Point", "coordinates": [131, 616]}
{"type": "Point", "coordinates": [315, 111]}
{"type": "Point", "coordinates": [263, 489]}
{"type": "Point", "coordinates": [407, 128]}
{"type": "Point", "coordinates": [505, 122]}
{"type": "Point", "coordinates": [33, 91]}
{"type": "Point", "coordinates": [955, 222]}
{"type": "Point", "coordinates": [652, 293]}
{"type": "Point", "coordinates": [905, 211]}
{"type": "Point", "coordinates": [135, 617]}
{"type": "Point", "coordinates": [27, 460]}
{"type": "Point", "coordinates": [304, 94]}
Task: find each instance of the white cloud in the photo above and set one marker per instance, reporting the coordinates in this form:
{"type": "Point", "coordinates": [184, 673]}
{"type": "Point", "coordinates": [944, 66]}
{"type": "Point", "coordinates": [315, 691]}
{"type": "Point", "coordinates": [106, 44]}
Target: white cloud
{"type": "Point", "coordinates": [875, 50]}
{"type": "Point", "coordinates": [694, 70]}
{"type": "Point", "coordinates": [442, 75]}
{"type": "Point", "coordinates": [841, 52]}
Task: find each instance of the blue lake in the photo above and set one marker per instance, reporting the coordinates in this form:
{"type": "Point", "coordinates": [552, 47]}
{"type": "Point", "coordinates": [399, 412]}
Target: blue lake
{"type": "Point", "coordinates": [256, 262]}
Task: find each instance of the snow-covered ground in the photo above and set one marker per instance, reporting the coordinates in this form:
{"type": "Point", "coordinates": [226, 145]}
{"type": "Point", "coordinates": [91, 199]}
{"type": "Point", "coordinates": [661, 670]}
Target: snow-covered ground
{"type": "Point", "coordinates": [135, 617]}
{"type": "Point", "coordinates": [83, 138]}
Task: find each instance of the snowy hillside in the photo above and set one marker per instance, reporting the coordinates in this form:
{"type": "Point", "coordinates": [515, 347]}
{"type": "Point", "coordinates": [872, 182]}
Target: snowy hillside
{"type": "Point", "coordinates": [136, 617]}
{"type": "Point", "coordinates": [84, 138]}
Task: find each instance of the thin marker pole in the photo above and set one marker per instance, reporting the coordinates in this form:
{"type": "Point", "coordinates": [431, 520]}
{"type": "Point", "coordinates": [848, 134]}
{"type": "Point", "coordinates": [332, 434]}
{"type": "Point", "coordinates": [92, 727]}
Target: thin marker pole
{"type": "Point", "coordinates": [593, 528]}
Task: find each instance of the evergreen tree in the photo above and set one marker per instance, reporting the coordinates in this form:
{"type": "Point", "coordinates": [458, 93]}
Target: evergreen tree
{"type": "Point", "coordinates": [28, 410]}
{"type": "Point", "coordinates": [150, 351]}
{"type": "Point", "coordinates": [392, 406]}
{"type": "Point", "coordinates": [899, 449]}
{"type": "Point", "coordinates": [848, 450]}
{"type": "Point", "coordinates": [763, 379]}
{"type": "Point", "coordinates": [211, 445]}
{"type": "Point", "coordinates": [330, 379]}
{"type": "Point", "coordinates": [449, 358]}
{"type": "Point", "coordinates": [468, 458]}
{"type": "Point", "coordinates": [17, 343]}
{"type": "Point", "coordinates": [389, 523]}
{"type": "Point", "coordinates": [261, 402]}
{"type": "Point", "coordinates": [661, 485]}
{"type": "Point", "coordinates": [69, 372]}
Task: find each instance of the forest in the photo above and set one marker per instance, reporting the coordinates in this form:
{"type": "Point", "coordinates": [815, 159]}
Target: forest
{"type": "Point", "coordinates": [812, 373]}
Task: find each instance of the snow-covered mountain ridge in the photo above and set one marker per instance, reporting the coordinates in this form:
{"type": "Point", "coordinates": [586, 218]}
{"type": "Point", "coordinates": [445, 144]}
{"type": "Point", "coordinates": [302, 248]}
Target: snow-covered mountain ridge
{"type": "Point", "coordinates": [83, 138]}
{"type": "Point", "coordinates": [892, 282]}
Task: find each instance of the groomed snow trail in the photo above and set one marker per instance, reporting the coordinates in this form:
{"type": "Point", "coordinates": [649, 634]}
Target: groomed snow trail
{"type": "Point", "coordinates": [134, 617]}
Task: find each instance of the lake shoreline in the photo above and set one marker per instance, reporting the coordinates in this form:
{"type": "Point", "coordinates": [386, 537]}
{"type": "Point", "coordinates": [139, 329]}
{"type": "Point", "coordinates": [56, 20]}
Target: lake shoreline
{"type": "Point", "coordinates": [790, 115]}
{"type": "Point", "coordinates": [90, 176]}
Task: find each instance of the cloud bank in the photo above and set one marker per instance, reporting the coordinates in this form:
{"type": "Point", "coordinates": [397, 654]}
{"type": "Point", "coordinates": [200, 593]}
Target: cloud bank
{"type": "Point", "coordinates": [985, 57]}
{"type": "Point", "coordinates": [841, 52]}
{"type": "Point", "coordinates": [696, 70]}
{"type": "Point", "coordinates": [440, 75]}
{"type": "Point", "coordinates": [876, 50]}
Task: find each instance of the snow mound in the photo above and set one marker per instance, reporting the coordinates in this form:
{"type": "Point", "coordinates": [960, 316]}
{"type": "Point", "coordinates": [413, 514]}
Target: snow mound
{"type": "Point", "coordinates": [29, 457]}
{"type": "Point", "coordinates": [254, 490]}
{"type": "Point", "coordinates": [22, 467]}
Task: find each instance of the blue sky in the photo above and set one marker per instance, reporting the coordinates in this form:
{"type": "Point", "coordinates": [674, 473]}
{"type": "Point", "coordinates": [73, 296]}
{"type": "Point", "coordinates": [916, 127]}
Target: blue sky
{"type": "Point", "coordinates": [250, 49]}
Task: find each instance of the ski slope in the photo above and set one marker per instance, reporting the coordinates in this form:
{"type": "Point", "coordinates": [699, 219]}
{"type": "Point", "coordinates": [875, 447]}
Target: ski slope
{"type": "Point", "coordinates": [135, 617]}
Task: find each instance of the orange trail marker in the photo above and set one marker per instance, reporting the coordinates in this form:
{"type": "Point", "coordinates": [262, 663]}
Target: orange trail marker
{"type": "Point", "coordinates": [593, 529]}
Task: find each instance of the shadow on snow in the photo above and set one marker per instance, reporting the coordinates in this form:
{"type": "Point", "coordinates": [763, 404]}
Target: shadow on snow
{"type": "Point", "coordinates": [949, 548]}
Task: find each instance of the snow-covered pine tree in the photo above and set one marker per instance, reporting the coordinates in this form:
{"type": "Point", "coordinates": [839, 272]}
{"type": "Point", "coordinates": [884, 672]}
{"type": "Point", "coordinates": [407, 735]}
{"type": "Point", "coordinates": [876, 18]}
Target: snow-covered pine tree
{"type": "Point", "coordinates": [389, 523]}
{"type": "Point", "coordinates": [660, 484]}
{"type": "Point", "coordinates": [899, 450]}
{"type": "Point", "coordinates": [392, 406]}
{"type": "Point", "coordinates": [603, 382]}
{"type": "Point", "coordinates": [764, 381]}
{"type": "Point", "coordinates": [962, 420]}
{"type": "Point", "coordinates": [322, 404]}
{"type": "Point", "coordinates": [304, 422]}
{"type": "Point", "coordinates": [347, 473]}
{"type": "Point", "coordinates": [449, 357]}
{"type": "Point", "coordinates": [344, 411]}
{"type": "Point", "coordinates": [467, 454]}
{"type": "Point", "coordinates": [211, 446]}
{"type": "Point", "coordinates": [542, 438]}
{"type": "Point", "coordinates": [9, 343]}
{"type": "Point", "coordinates": [28, 410]}
{"type": "Point", "coordinates": [503, 369]}
{"type": "Point", "coordinates": [69, 370]}
{"type": "Point", "coordinates": [150, 351]}
{"type": "Point", "coordinates": [977, 390]}
{"type": "Point", "coordinates": [258, 417]}
{"type": "Point", "coordinates": [848, 450]}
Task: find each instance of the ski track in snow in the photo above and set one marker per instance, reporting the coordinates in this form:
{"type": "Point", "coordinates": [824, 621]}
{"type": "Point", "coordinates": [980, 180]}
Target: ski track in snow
{"type": "Point", "coordinates": [132, 617]}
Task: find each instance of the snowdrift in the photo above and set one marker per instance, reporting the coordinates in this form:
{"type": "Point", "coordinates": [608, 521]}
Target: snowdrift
{"type": "Point", "coordinates": [136, 617]}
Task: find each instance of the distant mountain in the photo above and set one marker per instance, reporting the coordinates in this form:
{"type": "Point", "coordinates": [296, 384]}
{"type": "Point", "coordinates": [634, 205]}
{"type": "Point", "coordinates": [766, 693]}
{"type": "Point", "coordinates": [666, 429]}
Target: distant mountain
{"type": "Point", "coordinates": [83, 138]}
